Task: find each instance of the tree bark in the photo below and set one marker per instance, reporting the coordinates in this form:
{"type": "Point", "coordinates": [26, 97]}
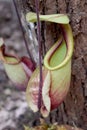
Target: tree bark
{"type": "Point", "coordinates": [73, 110]}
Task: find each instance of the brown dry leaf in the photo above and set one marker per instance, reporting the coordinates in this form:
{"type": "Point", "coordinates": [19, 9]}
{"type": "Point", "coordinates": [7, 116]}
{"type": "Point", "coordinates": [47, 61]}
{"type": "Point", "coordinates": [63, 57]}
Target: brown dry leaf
{"type": "Point", "coordinates": [67, 127]}
{"type": "Point", "coordinates": [53, 127]}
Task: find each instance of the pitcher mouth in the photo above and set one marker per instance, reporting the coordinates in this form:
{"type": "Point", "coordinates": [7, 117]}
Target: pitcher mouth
{"type": "Point", "coordinates": [56, 55]}
{"type": "Point", "coordinates": [65, 53]}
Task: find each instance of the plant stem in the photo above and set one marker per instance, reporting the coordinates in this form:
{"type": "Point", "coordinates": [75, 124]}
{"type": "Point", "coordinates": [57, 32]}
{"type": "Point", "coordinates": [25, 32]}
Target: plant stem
{"type": "Point", "coordinates": [40, 56]}
{"type": "Point", "coordinates": [23, 33]}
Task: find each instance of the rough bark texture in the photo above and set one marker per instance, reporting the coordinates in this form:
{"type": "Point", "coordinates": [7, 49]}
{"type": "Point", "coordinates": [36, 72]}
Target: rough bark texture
{"type": "Point", "coordinates": [74, 109]}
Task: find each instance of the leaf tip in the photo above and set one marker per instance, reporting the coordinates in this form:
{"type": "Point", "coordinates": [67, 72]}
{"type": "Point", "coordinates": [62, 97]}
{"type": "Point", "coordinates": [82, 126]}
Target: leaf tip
{"type": "Point", "coordinates": [30, 17]}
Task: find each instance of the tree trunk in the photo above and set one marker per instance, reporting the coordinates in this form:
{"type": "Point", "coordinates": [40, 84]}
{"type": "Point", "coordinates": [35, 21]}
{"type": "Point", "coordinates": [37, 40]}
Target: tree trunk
{"type": "Point", "coordinates": [74, 109]}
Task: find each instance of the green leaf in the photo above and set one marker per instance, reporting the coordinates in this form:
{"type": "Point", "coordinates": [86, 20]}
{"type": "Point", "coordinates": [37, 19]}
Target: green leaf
{"type": "Point", "coordinates": [56, 18]}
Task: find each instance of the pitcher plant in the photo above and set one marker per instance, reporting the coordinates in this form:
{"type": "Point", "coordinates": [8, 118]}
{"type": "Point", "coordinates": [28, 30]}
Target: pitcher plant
{"type": "Point", "coordinates": [18, 69]}
{"type": "Point", "coordinates": [56, 71]}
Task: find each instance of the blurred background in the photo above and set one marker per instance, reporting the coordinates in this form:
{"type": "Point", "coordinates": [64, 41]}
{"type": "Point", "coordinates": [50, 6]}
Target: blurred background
{"type": "Point", "coordinates": [14, 112]}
